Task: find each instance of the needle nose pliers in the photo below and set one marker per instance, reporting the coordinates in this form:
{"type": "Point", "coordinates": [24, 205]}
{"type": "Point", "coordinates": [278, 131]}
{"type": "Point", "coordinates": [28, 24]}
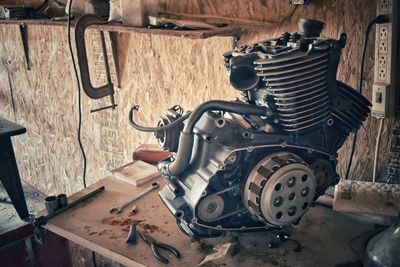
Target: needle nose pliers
{"type": "Point", "coordinates": [155, 246]}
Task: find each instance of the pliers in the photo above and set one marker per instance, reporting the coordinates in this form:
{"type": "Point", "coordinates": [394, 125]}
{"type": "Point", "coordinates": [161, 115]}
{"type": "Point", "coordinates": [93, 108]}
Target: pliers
{"type": "Point", "coordinates": [155, 248]}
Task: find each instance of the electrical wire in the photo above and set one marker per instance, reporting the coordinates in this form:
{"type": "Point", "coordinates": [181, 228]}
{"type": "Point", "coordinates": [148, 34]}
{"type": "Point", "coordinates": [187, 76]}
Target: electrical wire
{"type": "Point", "coordinates": [377, 145]}
{"type": "Point", "coordinates": [78, 85]}
{"type": "Point", "coordinates": [379, 19]}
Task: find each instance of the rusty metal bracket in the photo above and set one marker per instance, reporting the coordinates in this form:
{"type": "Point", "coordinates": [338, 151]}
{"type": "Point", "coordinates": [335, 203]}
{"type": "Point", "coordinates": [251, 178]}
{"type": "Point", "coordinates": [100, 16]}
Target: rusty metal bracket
{"type": "Point", "coordinates": [114, 49]}
{"type": "Point", "coordinates": [23, 30]}
{"type": "Point", "coordinates": [93, 92]}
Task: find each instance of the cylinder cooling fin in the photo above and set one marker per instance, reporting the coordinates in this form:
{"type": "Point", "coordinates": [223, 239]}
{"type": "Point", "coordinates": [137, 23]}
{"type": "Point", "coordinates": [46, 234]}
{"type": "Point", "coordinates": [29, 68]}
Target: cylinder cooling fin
{"type": "Point", "coordinates": [298, 86]}
{"type": "Point", "coordinates": [296, 80]}
{"type": "Point", "coordinates": [350, 108]}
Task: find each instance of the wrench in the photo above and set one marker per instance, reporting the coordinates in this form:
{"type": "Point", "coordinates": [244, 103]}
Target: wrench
{"type": "Point", "coordinates": [153, 186]}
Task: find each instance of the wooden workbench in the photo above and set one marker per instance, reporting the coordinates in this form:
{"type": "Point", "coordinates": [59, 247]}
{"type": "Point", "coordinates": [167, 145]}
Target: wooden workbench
{"type": "Point", "coordinates": [323, 233]}
{"type": "Point", "coordinates": [92, 226]}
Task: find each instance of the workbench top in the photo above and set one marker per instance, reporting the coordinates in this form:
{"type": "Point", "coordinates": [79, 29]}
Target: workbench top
{"type": "Point", "coordinates": [323, 233]}
{"type": "Point", "coordinates": [91, 224]}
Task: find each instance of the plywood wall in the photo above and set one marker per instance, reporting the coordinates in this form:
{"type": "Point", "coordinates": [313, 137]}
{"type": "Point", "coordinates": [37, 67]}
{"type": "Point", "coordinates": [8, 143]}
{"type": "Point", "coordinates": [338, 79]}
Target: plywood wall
{"type": "Point", "coordinates": [156, 73]}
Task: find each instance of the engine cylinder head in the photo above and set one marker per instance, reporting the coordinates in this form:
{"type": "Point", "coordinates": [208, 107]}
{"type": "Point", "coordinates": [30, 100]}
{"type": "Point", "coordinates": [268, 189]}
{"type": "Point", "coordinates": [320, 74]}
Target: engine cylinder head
{"type": "Point", "coordinates": [293, 75]}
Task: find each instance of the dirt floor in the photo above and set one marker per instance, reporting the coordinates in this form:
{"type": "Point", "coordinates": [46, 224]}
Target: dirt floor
{"type": "Point", "coordinates": [9, 219]}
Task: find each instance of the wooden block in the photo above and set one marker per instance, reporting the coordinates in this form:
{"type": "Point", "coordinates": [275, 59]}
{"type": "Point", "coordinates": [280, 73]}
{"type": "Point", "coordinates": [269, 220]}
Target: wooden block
{"type": "Point", "coordinates": [136, 173]}
{"type": "Point", "coordinates": [367, 197]}
{"type": "Point", "coordinates": [150, 153]}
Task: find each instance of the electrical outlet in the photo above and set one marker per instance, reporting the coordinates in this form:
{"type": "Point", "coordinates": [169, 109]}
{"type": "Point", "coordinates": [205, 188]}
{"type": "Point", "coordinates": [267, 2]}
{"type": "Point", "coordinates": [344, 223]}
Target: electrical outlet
{"type": "Point", "coordinates": [382, 76]}
{"type": "Point", "coordinates": [380, 98]}
{"type": "Point", "coordinates": [383, 6]}
{"type": "Point", "coordinates": [382, 61]}
{"type": "Point", "coordinates": [383, 92]}
{"type": "Point", "coordinates": [383, 32]}
{"type": "Point", "coordinates": [383, 47]}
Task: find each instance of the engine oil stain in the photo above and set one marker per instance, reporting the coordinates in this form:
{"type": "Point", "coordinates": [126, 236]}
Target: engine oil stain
{"type": "Point", "coordinates": [125, 223]}
{"type": "Point", "coordinates": [121, 222]}
{"type": "Point", "coordinates": [150, 228]}
{"type": "Point", "coordinates": [107, 220]}
{"type": "Point", "coordinates": [105, 232]}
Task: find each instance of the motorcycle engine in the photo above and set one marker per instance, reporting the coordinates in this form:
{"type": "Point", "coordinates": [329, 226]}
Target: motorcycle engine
{"type": "Point", "coordinates": [260, 162]}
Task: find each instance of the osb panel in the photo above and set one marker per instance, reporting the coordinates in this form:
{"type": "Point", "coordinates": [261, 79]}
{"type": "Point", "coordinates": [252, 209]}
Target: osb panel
{"type": "Point", "coordinates": [156, 72]}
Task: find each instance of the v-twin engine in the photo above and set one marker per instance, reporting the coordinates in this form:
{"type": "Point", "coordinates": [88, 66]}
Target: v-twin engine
{"type": "Point", "coordinates": [260, 162]}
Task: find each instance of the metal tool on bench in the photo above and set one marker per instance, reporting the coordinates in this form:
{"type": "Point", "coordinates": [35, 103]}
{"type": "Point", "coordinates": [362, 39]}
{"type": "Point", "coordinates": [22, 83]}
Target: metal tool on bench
{"type": "Point", "coordinates": [91, 91]}
{"type": "Point", "coordinates": [132, 235]}
{"type": "Point", "coordinates": [153, 186]}
{"type": "Point", "coordinates": [39, 222]}
{"type": "Point", "coordinates": [23, 30]}
{"type": "Point", "coordinates": [51, 203]}
{"type": "Point", "coordinates": [155, 246]}
{"type": "Point", "coordinates": [54, 203]}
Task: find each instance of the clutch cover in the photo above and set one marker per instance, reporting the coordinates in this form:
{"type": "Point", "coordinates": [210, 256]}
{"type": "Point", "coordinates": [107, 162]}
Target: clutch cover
{"type": "Point", "coordinates": [280, 189]}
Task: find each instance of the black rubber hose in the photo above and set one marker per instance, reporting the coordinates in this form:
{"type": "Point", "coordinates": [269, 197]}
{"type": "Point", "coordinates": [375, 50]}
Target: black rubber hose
{"type": "Point", "coordinates": [186, 139]}
{"type": "Point", "coordinates": [154, 129]}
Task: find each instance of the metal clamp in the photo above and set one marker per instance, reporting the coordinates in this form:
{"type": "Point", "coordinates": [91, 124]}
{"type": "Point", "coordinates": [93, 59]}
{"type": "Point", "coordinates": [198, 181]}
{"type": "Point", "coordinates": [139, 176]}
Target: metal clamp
{"type": "Point", "coordinates": [93, 92]}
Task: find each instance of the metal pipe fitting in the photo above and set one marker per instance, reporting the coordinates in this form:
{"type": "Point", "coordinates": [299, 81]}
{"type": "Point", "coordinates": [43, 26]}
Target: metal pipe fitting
{"type": "Point", "coordinates": [62, 200]}
{"type": "Point", "coordinates": [51, 203]}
